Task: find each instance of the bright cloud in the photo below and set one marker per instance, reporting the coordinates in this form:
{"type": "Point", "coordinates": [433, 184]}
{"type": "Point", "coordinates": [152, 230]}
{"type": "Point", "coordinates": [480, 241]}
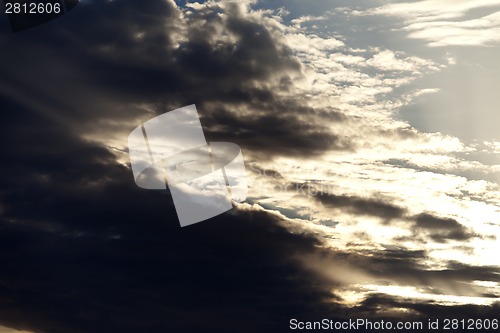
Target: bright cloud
{"type": "Point", "coordinates": [446, 22]}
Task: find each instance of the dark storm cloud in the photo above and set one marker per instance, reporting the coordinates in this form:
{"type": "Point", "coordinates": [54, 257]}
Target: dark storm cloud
{"type": "Point", "coordinates": [82, 248]}
{"type": "Point", "coordinates": [85, 250]}
{"type": "Point", "coordinates": [133, 53]}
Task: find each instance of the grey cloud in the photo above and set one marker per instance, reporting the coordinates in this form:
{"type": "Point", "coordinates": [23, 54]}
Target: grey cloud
{"type": "Point", "coordinates": [362, 206]}
{"type": "Point", "coordinates": [276, 130]}
{"type": "Point", "coordinates": [442, 229]}
{"type": "Point", "coordinates": [423, 225]}
{"type": "Point", "coordinates": [429, 221]}
{"type": "Point", "coordinates": [398, 266]}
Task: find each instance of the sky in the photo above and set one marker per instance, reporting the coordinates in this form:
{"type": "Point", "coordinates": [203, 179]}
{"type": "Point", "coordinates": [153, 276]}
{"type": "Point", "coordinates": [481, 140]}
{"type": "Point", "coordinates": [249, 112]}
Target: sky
{"type": "Point", "coordinates": [371, 138]}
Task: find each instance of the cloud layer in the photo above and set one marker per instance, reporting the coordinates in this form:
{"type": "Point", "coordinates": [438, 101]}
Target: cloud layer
{"type": "Point", "coordinates": [352, 211]}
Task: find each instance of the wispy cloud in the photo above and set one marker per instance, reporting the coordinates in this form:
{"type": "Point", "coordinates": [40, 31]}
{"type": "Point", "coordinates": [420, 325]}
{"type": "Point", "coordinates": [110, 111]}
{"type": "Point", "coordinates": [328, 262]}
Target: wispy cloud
{"type": "Point", "coordinates": [445, 22]}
